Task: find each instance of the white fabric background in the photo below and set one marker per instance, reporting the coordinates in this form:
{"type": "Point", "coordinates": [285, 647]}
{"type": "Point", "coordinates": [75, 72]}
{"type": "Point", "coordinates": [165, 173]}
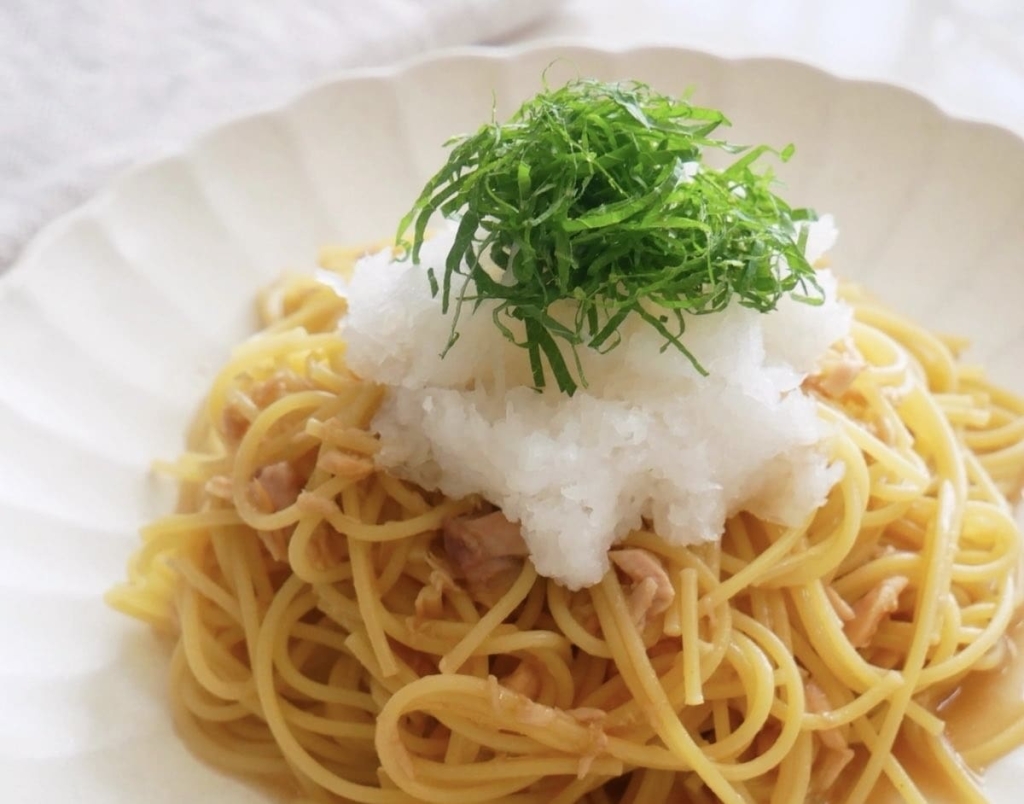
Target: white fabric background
{"type": "Point", "coordinates": [90, 86]}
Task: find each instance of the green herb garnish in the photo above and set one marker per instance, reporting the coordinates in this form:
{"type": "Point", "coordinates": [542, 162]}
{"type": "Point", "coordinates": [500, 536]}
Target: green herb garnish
{"type": "Point", "coordinates": [590, 195]}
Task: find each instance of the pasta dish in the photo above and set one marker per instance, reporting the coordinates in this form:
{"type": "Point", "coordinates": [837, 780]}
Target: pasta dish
{"type": "Point", "coordinates": [376, 592]}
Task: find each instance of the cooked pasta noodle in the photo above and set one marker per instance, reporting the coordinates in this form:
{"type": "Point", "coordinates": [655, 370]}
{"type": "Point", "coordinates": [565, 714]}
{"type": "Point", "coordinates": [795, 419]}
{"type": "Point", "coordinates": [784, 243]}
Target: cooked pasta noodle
{"type": "Point", "coordinates": [322, 644]}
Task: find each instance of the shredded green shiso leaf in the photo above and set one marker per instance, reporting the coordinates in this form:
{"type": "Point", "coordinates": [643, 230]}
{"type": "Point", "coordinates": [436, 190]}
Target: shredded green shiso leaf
{"type": "Point", "coordinates": [590, 195]}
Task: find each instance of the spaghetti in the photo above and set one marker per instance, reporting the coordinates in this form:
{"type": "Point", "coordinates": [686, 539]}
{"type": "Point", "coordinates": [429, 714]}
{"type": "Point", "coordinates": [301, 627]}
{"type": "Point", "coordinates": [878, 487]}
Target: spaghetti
{"type": "Point", "coordinates": [323, 643]}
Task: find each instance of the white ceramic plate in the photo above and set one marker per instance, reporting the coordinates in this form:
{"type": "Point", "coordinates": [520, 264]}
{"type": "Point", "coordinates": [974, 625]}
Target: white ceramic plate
{"type": "Point", "coordinates": [113, 322]}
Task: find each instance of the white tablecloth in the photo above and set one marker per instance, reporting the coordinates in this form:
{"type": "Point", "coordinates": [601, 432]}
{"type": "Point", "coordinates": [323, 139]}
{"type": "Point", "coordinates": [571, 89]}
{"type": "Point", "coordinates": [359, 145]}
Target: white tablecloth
{"type": "Point", "coordinates": [88, 87]}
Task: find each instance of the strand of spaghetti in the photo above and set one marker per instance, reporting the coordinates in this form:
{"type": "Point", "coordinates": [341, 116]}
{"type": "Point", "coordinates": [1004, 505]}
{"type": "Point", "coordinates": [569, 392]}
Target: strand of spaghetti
{"type": "Point", "coordinates": [487, 780]}
{"type": "Point", "coordinates": [994, 438]}
{"type": "Point", "coordinates": [965, 787]}
{"type": "Point", "coordinates": [653, 785]}
{"type": "Point", "coordinates": [367, 595]}
{"type": "Point", "coordinates": [437, 636]}
{"type": "Point", "coordinates": [895, 462]}
{"type": "Point", "coordinates": [193, 644]}
{"type": "Point", "coordinates": [239, 575]}
{"type": "Point", "coordinates": [465, 609]}
{"type": "Point", "coordinates": [473, 718]}
{"type": "Point", "coordinates": [257, 351]}
{"type": "Point", "coordinates": [758, 678]}
{"type": "Point", "coordinates": [207, 587]}
{"type": "Point", "coordinates": [179, 524]}
{"type": "Point", "coordinates": [352, 759]}
{"type": "Point", "coordinates": [359, 646]}
{"type": "Point", "coordinates": [558, 606]}
{"type": "Point", "coordinates": [286, 441]}
{"type": "Point", "coordinates": [824, 631]}
{"type": "Point", "coordinates": [338, 607]}
{"type": "Point", "coordinates": [426, 636]}
{"type": "Point", "coordinates": [260, 570]}
{"type": "Point", "coordinates": [344, 758]}
{"type": "Point", "coordinates": [220, 752]}
{"type": "Point", "coordinates": [989, 750]}
{"type": "Point", "coordinates": [333, 693]}
{"type": "Point", "coordinates": [336, 432]}
{"type": "Point", "coordinates": [589, 673]}
{"type": "Point", "coordinates": [875, 519]}
{"type": "Point", "coordinates": [337, 730]}
{"type": "Point", "coordinates": [456, 657]}
{"type": "Point", "coordinates": [461, 750]}
{"type": "Point", "coordinates": [820, 559]}
{"type": "Point", "coordinates": [249, 448]}
{"type": "Point", "coordinates": [635, 753]}
{"type": "Point", "coordinates": [883, 419]}
{"type": "Point", "coordinates": [863, 578]}
{"type": "Point", "coordinates": [398, 529]}
{"type": "Point", "coordinates": [411, 500]}
{"type": "Point", "coordinates": [979, 518]}
{"type": "Point", "coordinates": [887, 361]}
{"type": "Point", "coordinates": [794, 778]}
{"type": "Point", "coordinates": [578, 789]}
{"type": "Point", "coordinates": [317, 691]}
{"type": "Point", "coordinates": [364, 406]}
{"type": "Point", "coordinates": [963, 410]}
{"type": "Point", "coordinates": [301, 653]}
{"type": "Point", "coordinates": [788, 675]}
{"type": "Point", "coordinates": [860, 707]}
{"type": "Point", "coordinates": [193, 467]}
{"type": "Point", "coordinates": [558, 684]}
{"type": "Point", "coordinates": [627, 719]}
{"type": "Point", "coordinates": [538, 728]}
{"type": "Point", "coordinates": [778, 617]}
{"type": "Point", "coordinates": [301, 550]}
{"type": "Point", "coordinates": [755, 677]}
{"type": "Point", "coordinates": [905, 787]}
{"type": "Point", "coordinates": [631, 659]}
{"type": "Point", "coordinates": [719, 619]}
{"type": "Point", "coordinates": [1005, 462]}
{"type": "Point", "coordinates": [320, 309]}
{"type": "Point", "coordinates": [203, 706]}
{"type": "Point", "coordinates": [533, 607]}
{"type": "Point", "coordinates": [611, 695]}
{"type": "Point", "coordinates": [974, 617]}
{"type": "Point", "coordinates": [400, 557]}
{"type": "Point", "coordinates": [989, 531]}
{"type": "Point", "coordinates": [149, 600]}
{"type": "Point", "coordinates": [933, 355]}
{"type": "Point", "coordinates": [292, 749]}
{"type": "Point", "coordinates": [757, 569]}
{"type": "Point", "coordinates": [150, 560]}
{"type": "Point", "coordinates": [512, 641]}
{"type": "Point", "coordinates": [498, 780]}
{"type": "Point", "coordinates": [982, 642]}
{"type": "Point", "coordinates": [688, 594]}
{"type": "Point", "coordinates": [951, 631]}
{"type": "Point", "coordinates": [938, 555]}
{"type": "Point", "coordinates": [311, 792]}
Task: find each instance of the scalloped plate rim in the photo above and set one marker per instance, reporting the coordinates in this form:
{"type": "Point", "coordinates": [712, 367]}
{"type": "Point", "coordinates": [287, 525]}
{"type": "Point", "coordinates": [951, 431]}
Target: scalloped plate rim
{"type": "Point", "coordinates": [52, 229]}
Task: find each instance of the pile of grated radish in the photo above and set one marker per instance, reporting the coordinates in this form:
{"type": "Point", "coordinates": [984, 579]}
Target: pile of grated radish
{"type": "Point", "coordinates": [648, 438]}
